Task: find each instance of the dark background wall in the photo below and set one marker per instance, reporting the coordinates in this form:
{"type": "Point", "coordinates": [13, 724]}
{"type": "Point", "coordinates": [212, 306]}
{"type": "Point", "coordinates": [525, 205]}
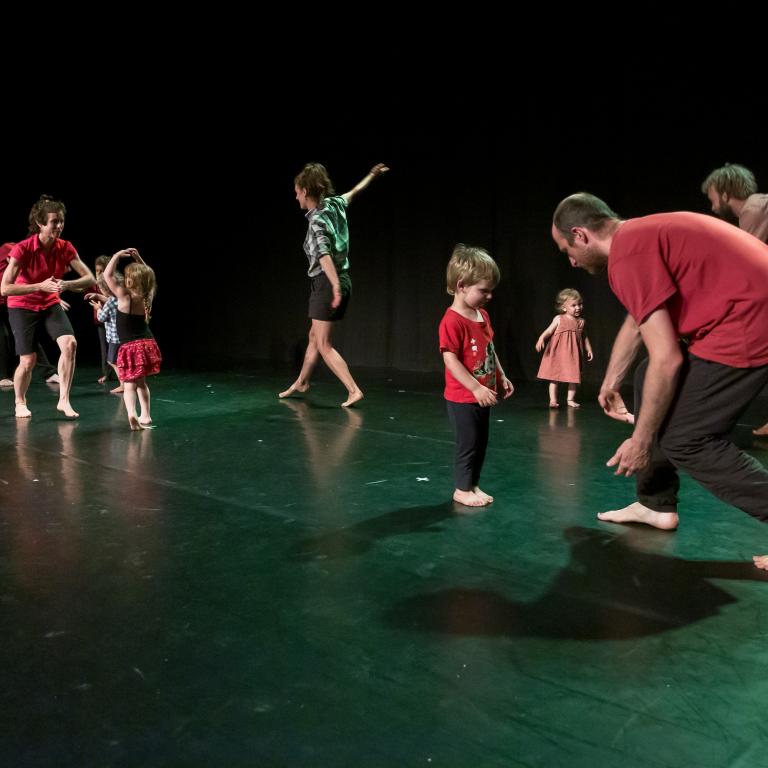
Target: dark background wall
{"type": "Point", "coordinates": [201, 181]}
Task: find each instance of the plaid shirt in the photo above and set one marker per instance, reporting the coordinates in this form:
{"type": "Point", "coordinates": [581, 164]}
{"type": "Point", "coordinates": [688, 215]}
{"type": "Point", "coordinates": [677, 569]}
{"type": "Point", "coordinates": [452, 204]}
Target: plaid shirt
{"type": "Point", "coordinates": [328, 233]}
{"type": "Point", "coordinates": [108, 315]}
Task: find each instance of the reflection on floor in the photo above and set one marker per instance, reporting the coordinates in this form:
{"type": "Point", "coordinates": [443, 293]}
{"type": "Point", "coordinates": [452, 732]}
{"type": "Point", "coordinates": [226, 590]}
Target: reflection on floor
{"type": "Point", "coordinates": [287, 583]}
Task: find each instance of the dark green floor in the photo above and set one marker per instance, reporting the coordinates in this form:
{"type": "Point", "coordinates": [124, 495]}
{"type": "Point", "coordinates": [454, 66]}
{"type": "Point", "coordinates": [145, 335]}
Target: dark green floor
{"type": "Point", "coordinates": [263, 583]}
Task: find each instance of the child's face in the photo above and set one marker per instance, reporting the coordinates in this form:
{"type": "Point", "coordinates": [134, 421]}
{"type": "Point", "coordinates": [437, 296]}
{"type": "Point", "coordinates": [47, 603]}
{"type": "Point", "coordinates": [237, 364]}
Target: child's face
{"type": "Point", "coordinates": [301, 196]}
{"type": "Point", "coordinates": [99, 271]}
{"type": "Point", "coordinates": [573, 307]}
{"type": "Point", "coordinates": [477, 295]}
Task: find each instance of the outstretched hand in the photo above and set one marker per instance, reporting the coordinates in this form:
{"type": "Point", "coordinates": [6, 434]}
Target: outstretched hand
{"type": "Point", "coordinates": [630, 457]}
{"type": "Point", "coordinates": [378, 169]}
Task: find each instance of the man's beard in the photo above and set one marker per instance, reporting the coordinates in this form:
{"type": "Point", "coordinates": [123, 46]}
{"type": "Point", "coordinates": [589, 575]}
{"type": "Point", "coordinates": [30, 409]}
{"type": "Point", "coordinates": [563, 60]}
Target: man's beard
{"type": "Point", "coordinates": [725, 213]}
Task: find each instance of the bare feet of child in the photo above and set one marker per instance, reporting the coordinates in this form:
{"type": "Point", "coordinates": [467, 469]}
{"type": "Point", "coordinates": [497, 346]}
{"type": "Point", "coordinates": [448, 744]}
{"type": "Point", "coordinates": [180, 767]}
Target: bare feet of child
{"type": "Point", "coordinates": [117, 390]}
{"type": "Point", "coordinates": [468, 498]}
{"type": "Point", "coordinates": [6, 383]}
{"type": "Point", "coordinates": [573, 404]}
{"type": "Point", "coordinates": [760, 431]}
{"type": "Point", "coordinates": [22, 412]}
{"type": "Point", "coordinates": [101, 379]}
{"type": "Point", "coordinates": [353, 398]}
{"type": "Point", "coordinates": [146, 422]}
{"type": "Point", "coordinates": [133, 422]}
{"type": "Point", "coordinates": [295, 387]}
{"type": "Point", "coordinates": [554, 404]}
{"type": "Point", "coordinates": [482, 495]}
{"type": "Point", "coordinates": [67, 409]}
{"type": "Point", "coordinates": [639, 513]}
{"type": "Point", "coordinates": [761, 561]}
{"type": "Point", "coordinates": [53, 379]}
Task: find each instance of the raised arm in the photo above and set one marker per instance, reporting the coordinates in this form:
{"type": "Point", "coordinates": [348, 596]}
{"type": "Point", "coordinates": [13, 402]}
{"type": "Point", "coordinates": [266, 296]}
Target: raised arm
{"type": "Point", "coordinates": [377, 170]}
{"type": "Point", "coordinates": [109, 272]}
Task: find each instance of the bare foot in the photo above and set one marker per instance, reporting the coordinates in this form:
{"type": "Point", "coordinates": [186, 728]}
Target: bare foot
{"type": "Point", "coordinates": [482, 495]}
{"type": "Point", "coordinates": [6, 383]}
{"type": "Point", "coordinates": [133, 422]}
{"type": "Point", "coordinates": [354, 397]}
{"type": "Point", "coordinates": [573, 404]}
{"type": "Point", "coordinates": [101, 379]}
{"type": "Point", "coordinates": [468, 498]}
{"type": "Point", "coordinates": [295, 387]}
{"type": "Point", "coordinates": [67, 410]}
{"type": "Point", "coordinates": [760, 431]}
{"type": "Point", "coordinates": [53, 379]}
{"type": "Point", "coordinates": [22, 412]}
{"type": "Point", "coordinates": [116, 391]}
{"type": "Point", "coordinates": [639, 513]}
{"type": "Point", "coordinates": [554, 404]}
{"type": "Point", "coordinates": [761, 561]}
{"type": "Point", "coordinates": [145, 421]}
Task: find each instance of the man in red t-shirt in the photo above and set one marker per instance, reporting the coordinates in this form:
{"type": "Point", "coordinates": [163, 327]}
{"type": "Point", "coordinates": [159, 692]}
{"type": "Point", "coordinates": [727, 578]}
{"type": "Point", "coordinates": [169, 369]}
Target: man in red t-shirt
{"type": "Point", "coordinates": [689, 277]}
{"type": "Point", "coordinates": [32, 282]}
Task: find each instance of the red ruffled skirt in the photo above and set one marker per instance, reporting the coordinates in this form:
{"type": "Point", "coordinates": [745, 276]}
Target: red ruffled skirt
{"type": "Point", "coordinates": [137, 359]}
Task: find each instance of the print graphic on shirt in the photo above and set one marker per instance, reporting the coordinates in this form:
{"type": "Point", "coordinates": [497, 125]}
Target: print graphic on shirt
{"type": "Point", "coordinates": [488, 366]}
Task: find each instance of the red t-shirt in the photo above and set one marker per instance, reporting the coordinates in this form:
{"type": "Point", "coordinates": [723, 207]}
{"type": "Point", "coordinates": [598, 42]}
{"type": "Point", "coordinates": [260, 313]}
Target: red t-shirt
{"type": "Point", "coordinates": [35, 265]}
{"type": "Point", "coordinates": [472, 342]}
{"type": "Point", "coordinates": [5, 250]}
{"type": "Point", "coordinates": [711, 276]}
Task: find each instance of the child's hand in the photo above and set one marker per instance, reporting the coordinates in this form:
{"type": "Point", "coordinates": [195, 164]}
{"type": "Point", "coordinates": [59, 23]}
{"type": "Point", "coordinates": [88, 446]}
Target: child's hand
{"type": "Point", "coordinates": [94, 297]}
{"type": "Point", "coordinates": [336, 298]}
{"type": "Point", "coordinates": [540, 344]}
{"type": "Point", "coordinates": [485, 396]}
{"type": "Point", "coordinates": [66, 307]}
{"type": "Point", "coordinates": [507, 386]}
{"type": "Point", "coordinates": [589, 355]}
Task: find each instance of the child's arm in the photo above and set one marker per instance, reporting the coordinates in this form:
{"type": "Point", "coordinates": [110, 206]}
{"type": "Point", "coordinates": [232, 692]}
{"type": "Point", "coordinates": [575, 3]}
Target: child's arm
{"type": "Point", "coordinates": [109, 273]}
{"type": "Point", "coordinates": [106, 311]}
{"type": "Point", "coordinates": [483, 395]}
{"type": "Point", "coordinates": [588, 348]}
{"type": "Point", "coordinates": [137, 256]}
{"type": "Point", "coordinates": [547, 333]}
{"type": "Point", "coordinates": [327, 265]}
{"type": "Point", "coordinates": [377, 170]}
{"type": "Point", "coordinates": [506, 384]}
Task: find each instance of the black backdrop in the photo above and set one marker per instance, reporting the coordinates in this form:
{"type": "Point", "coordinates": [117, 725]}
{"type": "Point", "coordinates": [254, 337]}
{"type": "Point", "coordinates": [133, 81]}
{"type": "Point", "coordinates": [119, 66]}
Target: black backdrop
{"type": "Point", "coordinates": [200, 179]}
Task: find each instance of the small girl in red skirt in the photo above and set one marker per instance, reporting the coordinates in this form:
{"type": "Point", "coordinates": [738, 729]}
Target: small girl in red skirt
{"type": "Point", "coordinates": [138, 356]}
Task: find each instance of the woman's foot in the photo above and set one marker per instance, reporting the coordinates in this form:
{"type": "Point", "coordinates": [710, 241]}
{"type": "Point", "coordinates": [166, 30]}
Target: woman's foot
{"type": "Point", "coordinates": [573, 404]}
{"type": "Point", "coordinates": [295, 387]}
{"type": "Point", "coordinates": [482, 495]}
{"type": "Point", "coordinates": [554, 404]}
{"type": "Point", "coordinates": [468, 498]}
{"type": "Point", "coordinates": [67, 409]}
{"type": "Point", "coordinates": [354, 397]}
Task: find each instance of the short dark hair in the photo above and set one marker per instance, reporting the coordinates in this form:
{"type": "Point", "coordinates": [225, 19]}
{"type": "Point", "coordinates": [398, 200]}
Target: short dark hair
{"type": "Point", "coordinates": [582, 210]}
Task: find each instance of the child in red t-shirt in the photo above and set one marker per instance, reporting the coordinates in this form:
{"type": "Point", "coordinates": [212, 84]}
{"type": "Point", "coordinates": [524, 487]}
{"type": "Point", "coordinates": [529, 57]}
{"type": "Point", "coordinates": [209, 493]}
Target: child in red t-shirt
{"type": "Point", "coordinates": [472, 368]}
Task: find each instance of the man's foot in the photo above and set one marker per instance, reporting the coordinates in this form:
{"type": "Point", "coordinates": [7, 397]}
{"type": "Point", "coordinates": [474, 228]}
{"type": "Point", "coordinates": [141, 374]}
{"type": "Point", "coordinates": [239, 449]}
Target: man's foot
{"type": "Point", "coordinates": [22, 412]}
{"type": "Point", "coordinates": [53, 379]}
{"type": "Point", "coordinates": [117, 390]}
{"type": "Point", "coordinates": [6, 383]}
{"type": "Point", "coordinates": [760, 431]}
{"type": "Point", "coordinates": [101, 379]}
{"type": "Point", "coordinates": [573, 404]}
{"type": "Point", "coordinates": [468, 498]}
{"type": "Point", "coordinates": [554, 404]}
{"type": "Point", "coordinates": [354, 397]}
{"type": "Point", "coordinates": [67, 410]}
{"type": "Point", "coordinates": [133, 422]}
{"type": "Point", "coordinates": [295, 387]}
{"type": "Point", "coordinates": [639, 513]}
{"type": "Point", "coordinates": [761, 561]}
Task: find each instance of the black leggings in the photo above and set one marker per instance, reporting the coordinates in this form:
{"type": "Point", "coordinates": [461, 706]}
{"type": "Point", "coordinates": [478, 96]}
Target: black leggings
{"type": "Point", "coordinates": [470, 428]}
